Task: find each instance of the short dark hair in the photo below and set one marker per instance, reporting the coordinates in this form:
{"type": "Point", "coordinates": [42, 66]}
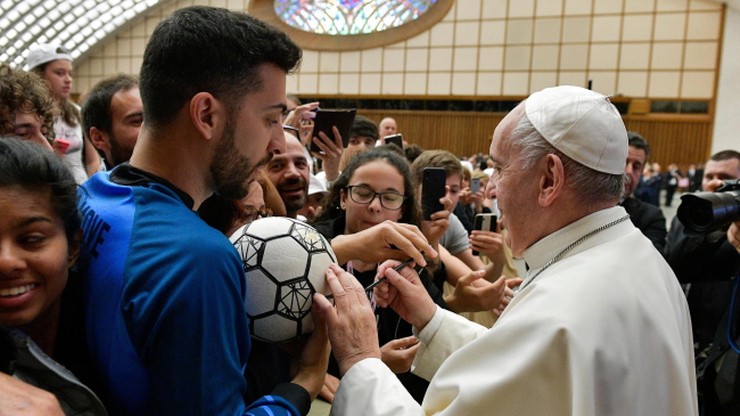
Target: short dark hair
{"type": "Point", "coordinates": [725, 155]}
{"type": "Point", "coordinates": [30, 166]}
{"type": "Point", "coordinates": [207, 49]}
{"type": "Point", "coordinates": [412, 151]}
{"type": "Point", "coordinates": [364, 127]}
{"type": "Point", "coordinates": [96, 109]}
{"type": "Point", "coordinates": [636, 140]}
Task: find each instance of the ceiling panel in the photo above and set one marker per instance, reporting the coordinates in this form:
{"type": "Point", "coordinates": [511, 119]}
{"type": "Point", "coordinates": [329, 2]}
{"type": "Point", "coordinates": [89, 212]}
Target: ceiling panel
{"type": "Point", "coordinates": [78, 25]}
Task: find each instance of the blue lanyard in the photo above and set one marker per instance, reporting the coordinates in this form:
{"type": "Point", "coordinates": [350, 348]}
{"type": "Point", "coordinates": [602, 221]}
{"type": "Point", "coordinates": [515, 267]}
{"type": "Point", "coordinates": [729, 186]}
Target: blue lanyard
{"type": "Point", "coordinates": [730, 322]}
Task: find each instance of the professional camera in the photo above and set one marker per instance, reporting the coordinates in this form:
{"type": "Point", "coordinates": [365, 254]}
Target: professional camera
{"type": "Point", "coordinates": [703, 212]}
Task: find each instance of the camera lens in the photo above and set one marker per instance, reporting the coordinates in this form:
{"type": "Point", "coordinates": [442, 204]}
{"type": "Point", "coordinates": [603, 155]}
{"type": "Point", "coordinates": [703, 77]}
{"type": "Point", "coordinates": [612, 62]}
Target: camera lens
{"type": "Point", "coordinates": [703, 212]}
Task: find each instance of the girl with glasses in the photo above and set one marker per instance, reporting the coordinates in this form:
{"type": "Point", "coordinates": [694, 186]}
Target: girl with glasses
{"type": "Point", "coordinates": [375, 191]}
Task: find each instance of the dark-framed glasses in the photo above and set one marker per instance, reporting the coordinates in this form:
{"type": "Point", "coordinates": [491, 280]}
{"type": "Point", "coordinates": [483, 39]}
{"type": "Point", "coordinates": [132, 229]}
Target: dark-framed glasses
{"type": "Point", "coordinates": [294, 131]}
{"type": "Point", "coordinates": [362, 194]}
{"type": "Point", "coordinates": [250, 214]}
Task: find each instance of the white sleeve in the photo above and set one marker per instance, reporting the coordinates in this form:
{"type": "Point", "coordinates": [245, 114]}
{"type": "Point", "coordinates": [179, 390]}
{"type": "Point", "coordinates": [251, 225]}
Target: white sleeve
{"type": "Point", "coordinates": [445, 333]}
{"type": "Point", "coordinates": [371, 388]}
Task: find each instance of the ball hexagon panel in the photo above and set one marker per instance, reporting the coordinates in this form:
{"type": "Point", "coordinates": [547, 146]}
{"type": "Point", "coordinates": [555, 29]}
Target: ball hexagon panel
{"type": "Point", "coordinates": [295, 299]}
{"type": "Point", "coordinates": [249, 249]}
{"type": "Point", "coordinates": [273, 328]}
{"type": "Point", "coordinates": [284, 262]}
{"type": "Point", "coordinates": [284, 258]}
{"type": "Point", "coordinates": [309, 238]}
{"type": "Point", "coordinates": [260, 296]}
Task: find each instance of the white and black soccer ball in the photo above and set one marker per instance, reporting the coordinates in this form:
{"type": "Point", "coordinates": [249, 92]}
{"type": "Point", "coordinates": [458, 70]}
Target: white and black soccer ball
{"type": "Point", "coordinates": [285, 262]}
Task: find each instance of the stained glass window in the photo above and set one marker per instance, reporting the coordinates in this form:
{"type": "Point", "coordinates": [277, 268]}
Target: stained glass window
{"type": "Point", "coordinates": [349, 17]}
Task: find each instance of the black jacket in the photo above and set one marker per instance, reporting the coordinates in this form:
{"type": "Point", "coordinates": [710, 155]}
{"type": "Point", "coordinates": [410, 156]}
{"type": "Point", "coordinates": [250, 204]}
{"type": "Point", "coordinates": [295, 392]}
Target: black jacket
{"type": "Point", "coordinates": [649, 219]}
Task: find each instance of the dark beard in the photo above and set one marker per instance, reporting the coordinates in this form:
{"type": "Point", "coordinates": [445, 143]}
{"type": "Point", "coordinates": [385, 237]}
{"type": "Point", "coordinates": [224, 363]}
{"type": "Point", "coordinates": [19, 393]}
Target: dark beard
{"type": "Point", "coordinates": [293, 205]}
{"type": "Point", "coordinates": [230, 170]}
{"type": "Point", "coordinates": [118, 154]}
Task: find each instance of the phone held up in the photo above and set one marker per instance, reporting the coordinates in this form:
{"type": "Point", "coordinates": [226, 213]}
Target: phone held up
{"type": "Point", "coordinates": [474, 185]}
{"type": "Point", "coordinates": [433, 189]}
{"type": "Point", "coordinates": [396, 139]}
{"type": "Point", "coordinates": [326, 118]}
{"type": "Point", "coordinates": [485, 222]}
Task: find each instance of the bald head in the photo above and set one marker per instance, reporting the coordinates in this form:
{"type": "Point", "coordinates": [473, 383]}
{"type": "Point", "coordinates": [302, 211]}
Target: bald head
{"type": "Point", "coordinates": [289, 172]}
{"type": "Point", "coordinates": [387, 127]}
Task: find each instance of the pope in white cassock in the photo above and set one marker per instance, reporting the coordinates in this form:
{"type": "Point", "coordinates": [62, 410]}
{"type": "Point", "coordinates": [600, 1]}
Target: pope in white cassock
{"type": "Point", "coordinates": [599, 326]}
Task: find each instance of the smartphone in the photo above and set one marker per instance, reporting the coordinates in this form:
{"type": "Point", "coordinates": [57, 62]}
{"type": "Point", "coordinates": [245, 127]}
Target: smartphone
{"type": "Point", "coordinates": [396, 139]}
{"type": "Point", "coordinates": [474, 185]}
{"type": "Point", "coordinates": [326, 118]}
{"type": "Point", "coordinates": [485, 222]}
{"type": "Point", "coordinates": [433, 188]}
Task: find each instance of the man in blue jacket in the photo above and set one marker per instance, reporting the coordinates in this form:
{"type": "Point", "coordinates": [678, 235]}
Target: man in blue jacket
{"type": "Point", "coordinates": [165, 293]}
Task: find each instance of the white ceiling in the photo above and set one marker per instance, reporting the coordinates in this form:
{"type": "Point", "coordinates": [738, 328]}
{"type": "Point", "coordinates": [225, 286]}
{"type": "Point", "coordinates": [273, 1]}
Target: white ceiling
{"type": "Point", "coordinates": [78, 25]}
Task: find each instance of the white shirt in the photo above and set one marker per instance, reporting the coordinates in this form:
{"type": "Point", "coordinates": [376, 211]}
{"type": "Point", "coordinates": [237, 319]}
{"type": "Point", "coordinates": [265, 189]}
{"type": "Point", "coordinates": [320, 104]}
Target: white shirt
{"type": "Point", "coordinates": [603, 331]}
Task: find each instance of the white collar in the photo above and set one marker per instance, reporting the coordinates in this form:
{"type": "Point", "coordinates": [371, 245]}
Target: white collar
{"type": "Point", "coordinates": [539, 253]}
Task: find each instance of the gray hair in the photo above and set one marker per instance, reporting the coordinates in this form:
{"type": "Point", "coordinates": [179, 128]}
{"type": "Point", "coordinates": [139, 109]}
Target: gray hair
{"type": "Point", "coordinates": [590, 185]}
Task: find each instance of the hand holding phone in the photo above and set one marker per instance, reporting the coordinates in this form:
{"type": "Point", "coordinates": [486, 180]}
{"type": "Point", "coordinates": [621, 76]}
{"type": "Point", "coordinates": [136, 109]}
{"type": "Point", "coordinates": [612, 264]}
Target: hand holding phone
{"type": "Point", "coordinates": [433, 189]}
{"type": "Point", "coordinates": [325, 119]}
{"type": "Point", "coordinates": [474, 185]}
{"type": "Point", "coordinates": [485, 222]}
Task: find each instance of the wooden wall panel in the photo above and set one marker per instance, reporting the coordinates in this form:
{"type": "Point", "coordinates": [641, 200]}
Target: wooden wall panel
{"type": "Point", "coordinates": [462, 133]}
{"type": "Point", "coordinates": [680, 139]}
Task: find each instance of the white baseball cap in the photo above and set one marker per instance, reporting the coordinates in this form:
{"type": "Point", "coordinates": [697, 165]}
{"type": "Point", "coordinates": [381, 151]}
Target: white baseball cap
{"type": "Point", "coordinates": [42, 53]}
{"type": "Point", "coordinates": [315, 186]}
{"type": "Point", "coordinates": [582, 124]}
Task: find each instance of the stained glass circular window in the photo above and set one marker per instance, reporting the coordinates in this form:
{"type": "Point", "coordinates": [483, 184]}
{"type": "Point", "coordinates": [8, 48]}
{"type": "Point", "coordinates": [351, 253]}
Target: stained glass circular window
{"type": "Point", "coordinates": [349, 17]}
{"type": "Point", "coordinates": [350, 24]}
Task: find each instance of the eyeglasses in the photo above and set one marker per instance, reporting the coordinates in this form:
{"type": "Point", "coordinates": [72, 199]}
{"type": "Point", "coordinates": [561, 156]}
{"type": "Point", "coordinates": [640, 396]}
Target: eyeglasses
{"type": "Point", "coordinates": [250, 214]}
{"type": "Point", "coordinates": [363, 195]}
{"type": "Point", "coordinates": [294, 131]}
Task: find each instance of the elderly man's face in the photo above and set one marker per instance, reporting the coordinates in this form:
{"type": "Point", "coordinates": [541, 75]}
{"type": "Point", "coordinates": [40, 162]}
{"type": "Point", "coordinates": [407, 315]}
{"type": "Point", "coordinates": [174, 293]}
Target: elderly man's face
{"type": "Point", "coordinates": [387, 127]}
{"type": "Point", "coordinates": [516, 190]}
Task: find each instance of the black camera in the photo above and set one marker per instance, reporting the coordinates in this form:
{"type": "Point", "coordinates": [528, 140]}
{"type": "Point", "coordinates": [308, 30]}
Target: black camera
{"type": "Point", "coordinates": [703, 212]}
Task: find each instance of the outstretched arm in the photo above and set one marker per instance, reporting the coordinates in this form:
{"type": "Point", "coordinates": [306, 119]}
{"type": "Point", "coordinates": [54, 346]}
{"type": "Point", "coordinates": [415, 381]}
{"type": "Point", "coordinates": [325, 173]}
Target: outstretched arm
{"type": "Point", "coordinates": [387, 240]}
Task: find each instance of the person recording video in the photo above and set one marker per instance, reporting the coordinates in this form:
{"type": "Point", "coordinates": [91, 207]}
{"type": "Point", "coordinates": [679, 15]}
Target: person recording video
{"type": "Point", "coordinates": [709, 265]}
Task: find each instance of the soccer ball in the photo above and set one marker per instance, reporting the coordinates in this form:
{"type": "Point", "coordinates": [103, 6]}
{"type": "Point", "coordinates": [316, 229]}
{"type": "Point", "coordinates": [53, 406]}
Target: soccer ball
{"type": "Point", "coordinates": [285, 262]}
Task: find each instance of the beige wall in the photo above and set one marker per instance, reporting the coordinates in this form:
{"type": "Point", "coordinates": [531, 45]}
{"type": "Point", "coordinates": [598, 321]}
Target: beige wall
{"type": "Point", "coordinates": [637, 48]}
{"type": "Point", "coordinates": [726, 122]}
{"type": "Point", "coordinates": [510, 48]}
{"type": "Point", "coordinates": [664, 49]}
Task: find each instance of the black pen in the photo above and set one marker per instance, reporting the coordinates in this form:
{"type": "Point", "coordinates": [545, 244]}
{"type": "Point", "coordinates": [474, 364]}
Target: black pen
{"type": "Point", "coordinates": [382, 279]}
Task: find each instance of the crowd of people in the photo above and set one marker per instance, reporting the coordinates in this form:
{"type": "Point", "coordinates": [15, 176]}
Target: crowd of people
{"type": "Point", "coordinates": [654, 182]}
{"type": "Point", "coordinates": [120, 292]}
